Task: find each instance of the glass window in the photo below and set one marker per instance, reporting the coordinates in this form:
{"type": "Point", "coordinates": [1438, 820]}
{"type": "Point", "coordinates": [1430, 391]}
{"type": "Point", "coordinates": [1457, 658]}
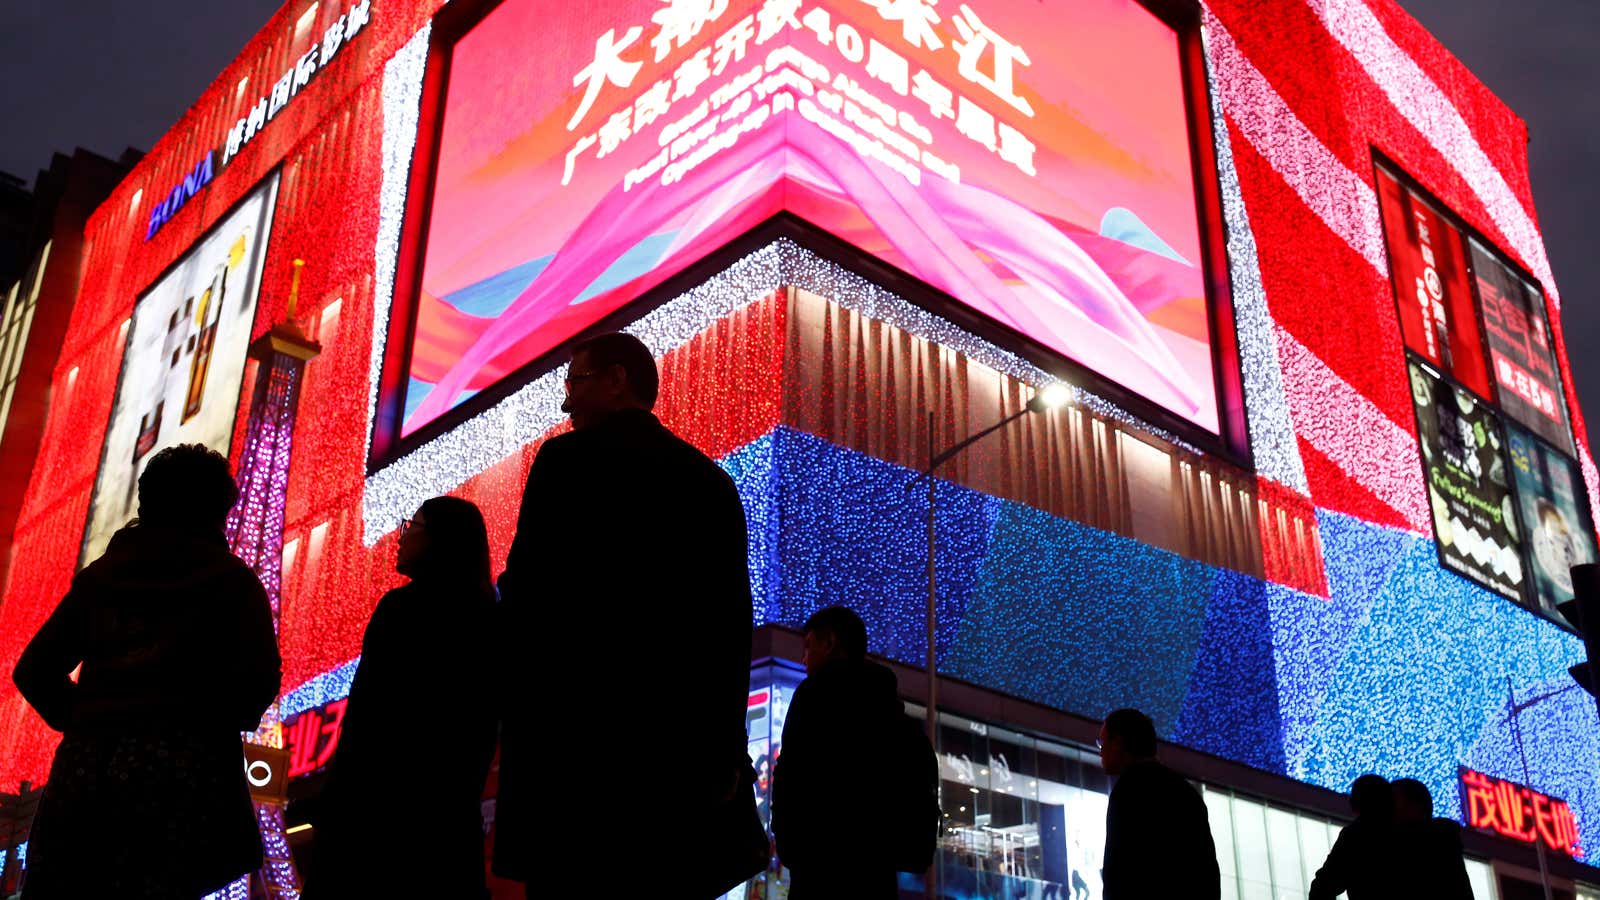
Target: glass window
{"type": "Point", "coordinates": [1316, 839]}
{"type": "Point", "coordinates": [1250, 845]}
{"type": "Point", "coordinates": [1483, 881]}
{"type": "Point", "coordinates": [1283, 844]}
{"type": "Point", "coordinates": [1219, 814]}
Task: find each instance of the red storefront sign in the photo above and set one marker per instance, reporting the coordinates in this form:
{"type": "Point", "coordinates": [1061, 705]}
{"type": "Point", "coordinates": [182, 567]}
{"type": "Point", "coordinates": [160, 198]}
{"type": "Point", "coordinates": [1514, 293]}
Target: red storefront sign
{"type": "Point", "coordinates": [312, 736]}
{"type": "Point", "coordinates": [1520, 813]}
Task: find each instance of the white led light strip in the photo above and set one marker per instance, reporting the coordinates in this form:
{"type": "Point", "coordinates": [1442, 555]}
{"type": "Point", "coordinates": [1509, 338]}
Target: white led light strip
{"type": "Point", "coordinates": [1416, 97]}
{"type": "Point", "coordinates": [1272, 438]}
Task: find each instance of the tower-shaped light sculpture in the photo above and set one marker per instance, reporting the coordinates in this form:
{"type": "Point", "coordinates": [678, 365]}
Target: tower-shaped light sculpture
{"type": "Point", "coordinates": [255, 532]}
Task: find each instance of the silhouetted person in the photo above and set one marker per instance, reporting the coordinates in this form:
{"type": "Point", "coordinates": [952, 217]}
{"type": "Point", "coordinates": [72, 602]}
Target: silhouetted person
{"type": "Point", "coordinates": [1360, 865]}
{"type": "Point", "coordinates": [147, 794]}
{"type": "Point", "coordinates": [1428, 860]}
{"type": "Point", "coordinates": [1158, 836]}
{"type": "Point", "coordinates": [833, 767]}
{"type": "Point", "coordinates": [626, 605]}
{"type": "Point", "coordinates": [428, 647]}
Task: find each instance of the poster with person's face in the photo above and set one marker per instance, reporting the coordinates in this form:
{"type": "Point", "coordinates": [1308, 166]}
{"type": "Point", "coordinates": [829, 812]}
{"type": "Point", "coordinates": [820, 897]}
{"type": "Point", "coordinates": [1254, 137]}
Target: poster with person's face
{"type": "Point", "coordinates": [1521, 351]}
{"type": "Point", "coordinates": [1469, 489]}
{"type": "Point", "coordinates": [184, 361]}
{"type": "Point", "coordinates": [1554, 514]}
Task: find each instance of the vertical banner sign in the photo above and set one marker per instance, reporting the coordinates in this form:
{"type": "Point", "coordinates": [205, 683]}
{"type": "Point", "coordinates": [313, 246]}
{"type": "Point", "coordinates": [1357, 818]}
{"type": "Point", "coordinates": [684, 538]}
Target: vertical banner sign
{"type": "Point", "coordinates": [1429, 262]}
{"type": "Point", "coordinates": [1473, 515]}
{"type": "Point", "coordinates": [1554, 515]}
{"type": "Point", "coordinates": [1520, 349]}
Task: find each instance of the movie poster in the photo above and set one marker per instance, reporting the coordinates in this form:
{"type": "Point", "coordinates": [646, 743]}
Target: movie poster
{"type": "Point", "coordinates": [1428, 261]}
{"type": "Point", "coordinates": [1554, 514]}
{"type": "Point", "coordinates": [184, 361]}
{"type": "Point", "coordinates": [1469, 488]}
{"type": "Point", "coordinates": [1521, 350]}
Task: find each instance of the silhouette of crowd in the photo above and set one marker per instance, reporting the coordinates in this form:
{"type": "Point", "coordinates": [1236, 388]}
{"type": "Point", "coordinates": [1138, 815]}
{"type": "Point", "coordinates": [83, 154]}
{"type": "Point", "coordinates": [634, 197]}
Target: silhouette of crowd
{"type": "Point", "coordinates": [164, 650]}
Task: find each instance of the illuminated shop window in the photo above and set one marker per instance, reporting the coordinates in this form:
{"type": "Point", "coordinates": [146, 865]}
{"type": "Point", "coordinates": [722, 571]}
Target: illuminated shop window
{"type": "Point", "coordinates": [1025, 817]}
{"type": "Point", "coordinates": [1507, 498]}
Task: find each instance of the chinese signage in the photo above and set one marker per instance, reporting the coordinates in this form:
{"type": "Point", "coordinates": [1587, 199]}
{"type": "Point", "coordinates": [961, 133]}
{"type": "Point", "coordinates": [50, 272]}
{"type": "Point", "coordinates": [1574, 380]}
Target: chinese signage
{"type": "Point", "coordinates": [1554, 514]}
{"type": "Point", "coordinates": [1429, 262]}
{"type": "Point", "coordinates": [984, 147]}
{"type": "Point", "coordinates": [312, 736]}
{"type": "Point", "coordinates": [1520, 349]}
{"type": "Point", "coordinates": [264, 110]}
{"type": "Point", "coordinates": [1468, 486]}
{"type": "Point", "coordinates": [1523, 814]}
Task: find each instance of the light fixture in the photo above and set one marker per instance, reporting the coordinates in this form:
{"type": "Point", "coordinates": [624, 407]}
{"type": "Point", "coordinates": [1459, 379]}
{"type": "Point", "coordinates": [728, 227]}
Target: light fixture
{"type": "Point", "coordinates": [1051, 396]}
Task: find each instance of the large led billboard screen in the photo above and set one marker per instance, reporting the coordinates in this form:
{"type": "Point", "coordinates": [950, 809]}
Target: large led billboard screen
{"type": "Point", "coordinates": [1032, 160]}
{"type": "Point", "coordinates": [184, 362]}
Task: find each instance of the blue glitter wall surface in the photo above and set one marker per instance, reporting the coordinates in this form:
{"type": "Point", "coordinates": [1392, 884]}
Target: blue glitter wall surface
{"type": "Point", "coordinates": [1402, 671]}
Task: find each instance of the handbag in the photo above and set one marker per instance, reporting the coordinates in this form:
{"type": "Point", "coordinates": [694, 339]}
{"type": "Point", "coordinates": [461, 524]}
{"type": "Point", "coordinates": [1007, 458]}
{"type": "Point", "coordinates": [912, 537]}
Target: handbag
{"type": "Point", "coordinates": [737, 846]}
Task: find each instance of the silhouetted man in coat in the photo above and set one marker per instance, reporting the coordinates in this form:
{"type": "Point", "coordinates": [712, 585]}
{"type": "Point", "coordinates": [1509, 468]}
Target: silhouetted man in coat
{"type": "Point", "coordinates": [626, 619]}
{"type": "Point", "coordinates": [1427, 850]}
{"type": "Point", "coordinates": [1158, 836]}
{"type": "Point", "coordinates": [1360, 865]}
{"type": "Point", "coordinates": [839, 721]}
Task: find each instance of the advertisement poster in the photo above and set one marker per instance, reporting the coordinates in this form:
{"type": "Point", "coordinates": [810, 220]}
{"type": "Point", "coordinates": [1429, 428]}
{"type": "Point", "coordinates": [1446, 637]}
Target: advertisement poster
{"type": "Point", "coordinates": [184, 362]}
{"type": "Point", "coordinates": [1469, 488]}
{"type": "Point", "coordinates": [1521, 351]}
{"type": "Point", "coordinates": [1428, 259]}
{"type": "Point", "coordinates": [1031, 160]}
{"type": "Point", "coordinates": [1554, 514]}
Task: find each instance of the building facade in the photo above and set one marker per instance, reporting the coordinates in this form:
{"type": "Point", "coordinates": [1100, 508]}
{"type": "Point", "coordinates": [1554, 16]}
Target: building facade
{"type": "Point", "coordinates": [1311, 504]}
{"type": "Point", "coordinates": [34, 309]}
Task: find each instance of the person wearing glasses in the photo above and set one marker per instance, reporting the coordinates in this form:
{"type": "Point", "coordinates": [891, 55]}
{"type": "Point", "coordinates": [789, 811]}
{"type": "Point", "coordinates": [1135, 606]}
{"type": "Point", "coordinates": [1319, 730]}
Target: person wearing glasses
{"type": "Point", "coordinates": [628, 577]}
{"type": "Point", "coordinates": [427, 648]}
{"type": "Point", "coordinates": [1158, 834]}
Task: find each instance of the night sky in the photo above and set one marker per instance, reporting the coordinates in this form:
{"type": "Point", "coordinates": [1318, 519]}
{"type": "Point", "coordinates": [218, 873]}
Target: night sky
{"type": "Point", "coordinates": [106, 74]}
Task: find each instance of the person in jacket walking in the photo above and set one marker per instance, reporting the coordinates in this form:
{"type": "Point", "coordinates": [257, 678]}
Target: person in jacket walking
{"type": "Point", "coordinates": [839, 720]}
{"type": "Point", "coordinates": [147, 796]}
{"type": "Point", "coordinates": [1361, 862]}
{"type": "Point", "coordinates": [626, 531]}
{"type": "Point", "coordinates": [428, 646]}
{"type": "Point", "coordinates": [1427, 850]}
{"type": "Point", "coordinates": [1158, 835]}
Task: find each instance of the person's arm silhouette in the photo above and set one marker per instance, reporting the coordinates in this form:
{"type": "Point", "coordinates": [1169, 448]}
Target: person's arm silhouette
{"type": "Point", "coordinates": [44, 671]}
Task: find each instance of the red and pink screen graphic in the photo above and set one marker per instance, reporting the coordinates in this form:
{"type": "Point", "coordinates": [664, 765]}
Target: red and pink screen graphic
{"type": "Point", "coordinates": [1032, 160]}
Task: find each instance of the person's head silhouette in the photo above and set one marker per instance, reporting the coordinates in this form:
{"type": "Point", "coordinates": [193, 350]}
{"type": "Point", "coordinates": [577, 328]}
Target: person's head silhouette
{"type": "Point", "coordinates": [1413, 802]}
{"type": "Point", "coordinates": [446, 541]}
{"type": "Point", "coordinates": [833, 635]}
{"type": "Point", "coordinates": [189, 486]}
{"type": "Point", "coordinates": [1127, 737]}
{"type": "Point", "coordinates": [609, 373]}
{"type": "Point", "coordinates": [1372, 796]}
